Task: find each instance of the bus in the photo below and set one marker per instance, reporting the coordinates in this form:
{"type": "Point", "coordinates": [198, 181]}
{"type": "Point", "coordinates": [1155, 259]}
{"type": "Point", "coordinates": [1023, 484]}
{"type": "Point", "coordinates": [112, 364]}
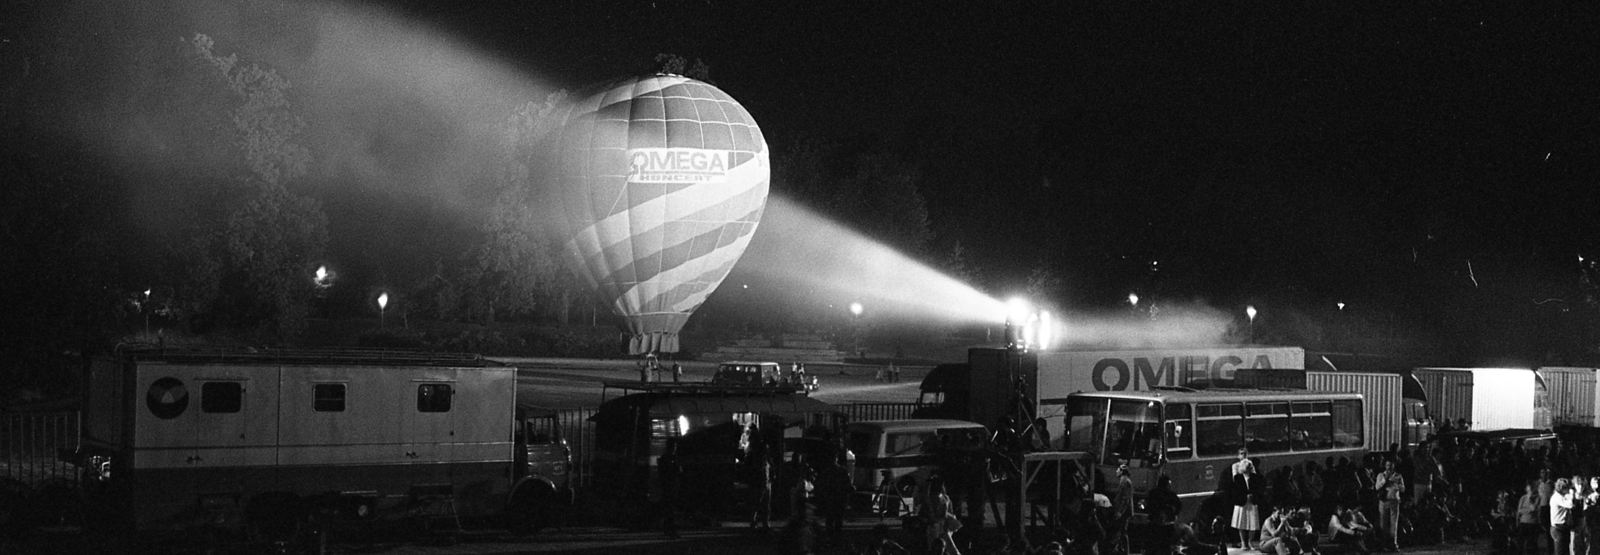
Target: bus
{"type": "Point", "coordinates": [1194, 436]}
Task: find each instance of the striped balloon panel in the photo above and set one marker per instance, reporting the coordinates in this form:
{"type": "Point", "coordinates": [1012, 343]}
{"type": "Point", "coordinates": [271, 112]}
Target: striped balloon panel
{"type": "Point", "coordinates": [653, 246]}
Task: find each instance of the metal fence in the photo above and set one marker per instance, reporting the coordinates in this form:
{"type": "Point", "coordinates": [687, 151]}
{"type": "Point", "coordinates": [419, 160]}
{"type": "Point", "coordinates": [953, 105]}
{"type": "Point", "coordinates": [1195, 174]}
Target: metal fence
{"type": "Point", "coordinates": [579, 433]}
{"type": "Point", "coordinates": [857, 412]}
{"type": "Point", "coordinates": [29, 446]}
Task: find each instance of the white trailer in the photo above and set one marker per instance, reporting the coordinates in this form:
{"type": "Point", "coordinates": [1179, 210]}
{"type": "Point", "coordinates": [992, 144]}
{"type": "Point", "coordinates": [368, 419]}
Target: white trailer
{"type": "Point", "coordinates": [1486, 398]}
{"type": "Point", "coordinates": [180, 440]}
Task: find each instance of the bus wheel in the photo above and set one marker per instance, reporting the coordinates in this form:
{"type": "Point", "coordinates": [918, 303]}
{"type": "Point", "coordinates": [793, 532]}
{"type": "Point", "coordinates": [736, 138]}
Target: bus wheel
{"type": "Point", "coordinates": [532, 508]}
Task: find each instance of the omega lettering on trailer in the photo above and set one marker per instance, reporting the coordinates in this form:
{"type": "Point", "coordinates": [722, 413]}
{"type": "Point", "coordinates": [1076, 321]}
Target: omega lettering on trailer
{"type": "Point", "coordinates": [677, 165]}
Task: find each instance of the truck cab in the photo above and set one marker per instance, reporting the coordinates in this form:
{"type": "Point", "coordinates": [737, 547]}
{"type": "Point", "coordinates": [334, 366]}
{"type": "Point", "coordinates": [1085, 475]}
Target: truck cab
{"type": "Point", "coordinates": [542, 467]}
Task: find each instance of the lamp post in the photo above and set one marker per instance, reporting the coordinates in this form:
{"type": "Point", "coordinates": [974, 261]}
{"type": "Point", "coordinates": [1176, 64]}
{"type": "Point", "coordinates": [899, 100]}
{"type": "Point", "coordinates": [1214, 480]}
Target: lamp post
{"type": "Point", "coordinates": [855, 312]}
{"type": "Point", "coordinates": [145, 308]}
{"type": "Point", "coordinates": [1250, 311]}
{"type": "Point", "coordinates": [383, 302]}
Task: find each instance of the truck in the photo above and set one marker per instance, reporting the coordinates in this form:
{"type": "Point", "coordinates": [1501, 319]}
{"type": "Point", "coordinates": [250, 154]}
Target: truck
{"type": "Point", "coordinates": [1485, 398]}
{"type": "Point", "coordinates": [266, 441]}
{"type": "Point", "coordinates": [1396, 413]}
{"type": "Point", "coordinates": [985, 388]}
{"type": "Point", "coordinates": [1569, 395]}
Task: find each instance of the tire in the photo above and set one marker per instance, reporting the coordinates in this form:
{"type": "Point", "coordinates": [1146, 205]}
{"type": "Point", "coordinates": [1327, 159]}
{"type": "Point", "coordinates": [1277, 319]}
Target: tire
{"type": "Point", "coordinates": [532, 509]}
{"type": "Point", "coordinates": [275, 519]}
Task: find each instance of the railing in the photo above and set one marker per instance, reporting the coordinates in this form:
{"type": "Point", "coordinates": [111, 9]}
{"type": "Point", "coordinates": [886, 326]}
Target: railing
{"type": "Point", "coordinates": [858, 412]}
{"type": "Point", "coordinates": [29, 446]}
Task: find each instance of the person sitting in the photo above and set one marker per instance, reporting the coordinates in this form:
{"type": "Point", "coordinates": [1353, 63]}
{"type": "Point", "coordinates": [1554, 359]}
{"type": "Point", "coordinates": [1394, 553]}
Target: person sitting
{"type": "Point", "coordinates": [1276, 536]}
{"type": "Point", "coordinates": [1301, 528]}
{"type": "Point", "coordinates": [1348, 527]}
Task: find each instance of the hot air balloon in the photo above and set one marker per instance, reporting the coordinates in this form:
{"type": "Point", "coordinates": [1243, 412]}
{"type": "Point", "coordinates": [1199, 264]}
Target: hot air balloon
{"type": "Point", "coordinates": [660, 182]}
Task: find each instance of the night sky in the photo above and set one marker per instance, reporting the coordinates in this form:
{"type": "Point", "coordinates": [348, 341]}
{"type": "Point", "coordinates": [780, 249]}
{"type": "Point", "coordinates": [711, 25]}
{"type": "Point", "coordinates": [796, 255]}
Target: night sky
{"type": "Point", "coordinates": [1431, 164]}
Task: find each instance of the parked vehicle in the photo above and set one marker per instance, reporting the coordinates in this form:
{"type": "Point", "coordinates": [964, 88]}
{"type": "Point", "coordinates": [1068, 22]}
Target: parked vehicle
{"type": "Point", "coordinates": [748, 373]}
{"type": "Point", "coordinates": [1194, 436]}
{"type": "Point", "coordinates": [265, 440]}
{"type": "Point", "coordinates": [1486, 398]}
{"type": "Point", "coordinates": [905, 450]}
{"type": "Point", "coordinates": [1394, 417]}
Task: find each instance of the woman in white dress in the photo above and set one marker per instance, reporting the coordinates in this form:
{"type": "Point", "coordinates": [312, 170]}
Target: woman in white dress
{"type": "Point", "coordinates": [1246, 493]}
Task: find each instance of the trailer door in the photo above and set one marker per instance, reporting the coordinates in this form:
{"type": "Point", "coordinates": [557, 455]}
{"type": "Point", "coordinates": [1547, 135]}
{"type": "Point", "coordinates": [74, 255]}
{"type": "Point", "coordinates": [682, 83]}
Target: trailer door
{"type": "Point", "coordinates": [429, 426]}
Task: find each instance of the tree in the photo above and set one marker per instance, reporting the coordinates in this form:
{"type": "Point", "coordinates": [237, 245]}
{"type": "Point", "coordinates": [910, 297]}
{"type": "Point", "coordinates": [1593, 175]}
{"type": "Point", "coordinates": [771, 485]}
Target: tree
{"type": "Point", "coordinates": [241, 254]}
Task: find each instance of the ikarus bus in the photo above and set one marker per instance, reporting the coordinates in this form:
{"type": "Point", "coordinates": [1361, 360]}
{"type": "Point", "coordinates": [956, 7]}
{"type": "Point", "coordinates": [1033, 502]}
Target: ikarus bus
{"type": "Point", "coordinates": [1194, 436]}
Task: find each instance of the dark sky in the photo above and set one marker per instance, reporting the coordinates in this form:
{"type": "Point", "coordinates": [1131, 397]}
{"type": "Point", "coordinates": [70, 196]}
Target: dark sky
{"type": "Point", "coordinates": [1241, 141]}
{"type": "Point", "coordinates": [1435, 159]}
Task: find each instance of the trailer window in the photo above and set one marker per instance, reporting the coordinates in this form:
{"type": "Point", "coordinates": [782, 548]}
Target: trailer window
{"type": "Point", "coordinates": [1347, 428]}
{"type": "Point", "coordinates": [1266, 427]}
{"type": "Point", "coordinates": [1219, 429]}
{"type": "Point", "coordinates": [327, 397]}
{"type": "Point", "coordinates": [1311, 426]}
{"type": "Point", "coordinates": [1179, 431]}
{"type": "Point", "coordinates": [221, 396]}
{"type": "Point", "coordinates": [433, 397]}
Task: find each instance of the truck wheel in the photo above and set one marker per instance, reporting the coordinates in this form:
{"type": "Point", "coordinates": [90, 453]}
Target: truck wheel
{"type": "Point", "coordinates": [532, 509]}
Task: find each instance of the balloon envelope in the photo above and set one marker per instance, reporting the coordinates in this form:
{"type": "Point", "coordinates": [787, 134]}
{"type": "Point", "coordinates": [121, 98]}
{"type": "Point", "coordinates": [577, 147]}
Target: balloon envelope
{"type": "Point", "coordinates": [661, 182]}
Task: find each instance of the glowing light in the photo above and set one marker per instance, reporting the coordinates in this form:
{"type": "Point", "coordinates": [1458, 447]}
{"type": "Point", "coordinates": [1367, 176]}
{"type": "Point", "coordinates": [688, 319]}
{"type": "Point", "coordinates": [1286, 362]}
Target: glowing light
{"type": "Point", "coordinates": [146, 293]}
{"type": "Point", "coordinates": [383, 301]}
{"type": "Point", "coordinates": [1250, 311]}
{"type": "Point", "coordinates": [856, 308]}
{"type": "Point", "coordinates": [1341, 306]}
{"type": "Point", "coordinates": [798, 250]}
{"type": "Point", "coordinates": [1018, 311]}
{"type": "Point", "coordinates": [1047, 335]}
{"type": "Point", "coordinates": [683, 425]}
{"type": "Point", "coordinates": [1133, 299]}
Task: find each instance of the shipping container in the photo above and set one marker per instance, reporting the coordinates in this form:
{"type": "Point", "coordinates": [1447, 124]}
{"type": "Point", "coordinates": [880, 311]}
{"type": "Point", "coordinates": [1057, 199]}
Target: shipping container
{"type": "Point", "coordinates": [1391, 418]}
{"type": "Point", "coordinates": [1486, 398]}
{"type": "Point", "coordinates": [1382, 391]}
{"type": "Point", "coordinates": [1571, 395]}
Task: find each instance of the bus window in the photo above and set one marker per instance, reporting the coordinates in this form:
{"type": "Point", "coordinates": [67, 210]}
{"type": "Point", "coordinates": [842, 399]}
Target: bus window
{"type": "Point", "coordinates": [1347, 428]}
{"type": "Point", "coordinates": [1311, 426]}
{"type": "Point", "coordinates": [1266, 427]}
{"type": "Point", "coordinates": [1179, 432]}
{"type": "Point", "coordinates": [1218, 429]}
{"type": "Point", "coordinates": [1086, 423]}
{"type": "Point", "coordinates": [1134, 431]}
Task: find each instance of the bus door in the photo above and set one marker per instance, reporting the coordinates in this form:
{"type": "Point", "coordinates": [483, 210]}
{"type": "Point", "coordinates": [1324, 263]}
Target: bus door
{"type": "Point", "coordinates": [1133, 438]}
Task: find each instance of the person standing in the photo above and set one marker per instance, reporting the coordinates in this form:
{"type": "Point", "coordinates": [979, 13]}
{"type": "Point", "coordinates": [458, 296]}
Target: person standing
{"type": "Point", "coordinates": [1238, 465]}
{"type": "Point", "coordinates": [1561, 517]}
{"type": "Point", "coordinates": [1546, 491]}
{"type": "Point", "coordinates": [1245, 494]}
{"type": "Point", "coordinates": [670, 474]}
{"type": "Point", "coordinates": [761, 489]}
{"type": "Point", "coordinates": [834, 488]}
{"type": "Point", "coordinates": [1391, 487]}
{"type": "Point", "coordinates": [1528, 525]}
{"type": "Point", "coordinates": [1579, 516]}
{"type": "Point", "coordinates": [941, 522]}
{"type": "Point", "coordinates": [1122, 513]}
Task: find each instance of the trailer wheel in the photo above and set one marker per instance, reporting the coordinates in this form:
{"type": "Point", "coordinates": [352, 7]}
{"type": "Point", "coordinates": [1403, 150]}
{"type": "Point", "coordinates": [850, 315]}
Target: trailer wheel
{"type": "Point", "coordinates": [275, 518]}
{"type": "Point", "coordinates": [532, 508]}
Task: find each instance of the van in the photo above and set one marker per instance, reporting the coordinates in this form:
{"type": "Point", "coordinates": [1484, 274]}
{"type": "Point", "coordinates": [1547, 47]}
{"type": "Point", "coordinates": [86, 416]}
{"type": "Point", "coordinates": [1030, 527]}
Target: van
{"type": "Point", "coordinates": [898, 454]}
{"type": "Point", "coordinates": [747, 373]}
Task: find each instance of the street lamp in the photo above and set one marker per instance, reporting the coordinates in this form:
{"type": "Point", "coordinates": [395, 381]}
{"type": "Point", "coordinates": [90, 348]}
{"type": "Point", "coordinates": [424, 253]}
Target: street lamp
{"type": "Point", "coordinates": [855, 311]}
{"type": "Point", "coordinates": [1250, 311]}
{"type": "Point", "coordinates": [145, 307]}
{"type": "Point", "coordinates": [1133, 299]}
{"type": "Point", "coordinates": [383, 302]}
